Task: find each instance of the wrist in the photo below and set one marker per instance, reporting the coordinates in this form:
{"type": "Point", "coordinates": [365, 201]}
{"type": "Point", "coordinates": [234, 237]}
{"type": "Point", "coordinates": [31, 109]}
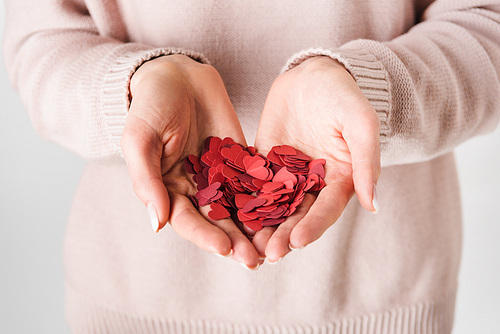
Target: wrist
{"type": "Point", "coordinates": [154, 69]}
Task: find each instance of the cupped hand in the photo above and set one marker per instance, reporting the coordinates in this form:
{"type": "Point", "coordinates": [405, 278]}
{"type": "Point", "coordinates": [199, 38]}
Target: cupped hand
{"type": "Point", "coordinates": [176, 103]}
{"type": "Point", "coordinates": [318, 108]}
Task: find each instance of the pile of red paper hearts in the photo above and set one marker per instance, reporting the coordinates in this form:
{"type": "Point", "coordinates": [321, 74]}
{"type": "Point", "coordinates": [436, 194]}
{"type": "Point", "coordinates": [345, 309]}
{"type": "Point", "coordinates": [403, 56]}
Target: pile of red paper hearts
{"type": "Point", "coordinates": [256, 190]}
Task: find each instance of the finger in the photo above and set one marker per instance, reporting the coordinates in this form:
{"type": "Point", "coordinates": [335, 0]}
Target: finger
{"type": "Point", "coordinates": [326, 209]}
{"type": "Point", "coordinates": [261, 238]}
{"type": "Point", "coordinates": [279, 243]}
{"type": "Point", "coordinates": [362, 135]}
{"type": "Point", "coordinates": [249, 232]}
{"type": "Point", "coordinates": [192, 226]}
{"type": "Point", "coordinates": [142, 149]}
{"type": "Point", "coordinates": [243, 250]}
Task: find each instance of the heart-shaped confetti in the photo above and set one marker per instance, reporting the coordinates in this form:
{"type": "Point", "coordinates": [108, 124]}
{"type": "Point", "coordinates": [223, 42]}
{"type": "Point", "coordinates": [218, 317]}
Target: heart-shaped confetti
{"type": "Point", "coordinates": [218, 211]}
{"type": "Point", "coordinates": [257, 190]}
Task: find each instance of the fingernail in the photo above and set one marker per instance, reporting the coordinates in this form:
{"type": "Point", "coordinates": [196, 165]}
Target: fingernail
{"type": "Point", "coordinates": [375, 200]}
{"type": "Point", "coordinates": [227, 255]}
{"type": "Point", "coordinates": [274, 262]}
{"type": "Point", "coordinates": [248, 268]}
{"type": "Point", "coordinates": [153, 217]}
{"type": "Point", "coordinates": [295, 248]}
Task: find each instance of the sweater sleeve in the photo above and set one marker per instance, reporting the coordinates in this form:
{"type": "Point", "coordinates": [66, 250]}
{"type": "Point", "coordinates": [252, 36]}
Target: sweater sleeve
{"type": "Point", "coordinates": [72, 74]}
{"type": "Point", "coordinates": [433, 87]}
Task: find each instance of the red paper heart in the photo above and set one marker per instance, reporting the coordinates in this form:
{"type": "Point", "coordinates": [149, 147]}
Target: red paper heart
{"type": "Point", "coordinates": [259, 191]}
{"type": "Point", "coordinates": [218, 211]}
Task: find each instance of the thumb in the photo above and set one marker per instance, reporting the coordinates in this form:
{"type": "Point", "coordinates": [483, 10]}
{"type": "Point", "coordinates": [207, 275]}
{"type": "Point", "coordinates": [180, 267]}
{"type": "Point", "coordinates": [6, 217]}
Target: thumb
{"type": "Point", "coordinates": [362, 135]}
{"type": "Point", "coordinates": [142, 149]}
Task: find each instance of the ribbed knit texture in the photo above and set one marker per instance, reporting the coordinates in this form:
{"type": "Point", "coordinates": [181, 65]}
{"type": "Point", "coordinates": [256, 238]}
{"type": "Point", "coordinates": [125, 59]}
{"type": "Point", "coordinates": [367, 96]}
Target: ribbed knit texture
{"type": "Point", "coordinates": [426, 318]}
{"type": "Point", "coordinates": [429, 68]}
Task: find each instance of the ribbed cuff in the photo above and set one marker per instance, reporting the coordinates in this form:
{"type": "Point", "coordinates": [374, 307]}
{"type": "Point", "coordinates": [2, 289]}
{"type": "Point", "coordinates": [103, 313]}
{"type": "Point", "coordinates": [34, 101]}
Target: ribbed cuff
{"type": "Point", "coordinates": [115, 90]}
{"type": "Point", "coordinates": [368, 72]}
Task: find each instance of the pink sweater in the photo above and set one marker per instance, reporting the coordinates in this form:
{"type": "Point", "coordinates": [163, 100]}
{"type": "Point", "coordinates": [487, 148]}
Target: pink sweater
{"type": "Point", "coordinates": [429, 68]}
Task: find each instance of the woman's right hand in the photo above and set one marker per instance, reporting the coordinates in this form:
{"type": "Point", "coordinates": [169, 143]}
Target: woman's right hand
{"type": "Point", "coordinates": [177, 103]}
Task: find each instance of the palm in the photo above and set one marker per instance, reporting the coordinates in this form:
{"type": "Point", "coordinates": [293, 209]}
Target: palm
{"type": "Point", "coordinates": [176, 104]}
{"type": "Point", "coordinates": [324, 142]}
{"type": "Point", "coordinates": [302, 111]}
{"type": "Point", "coordinates": [301, 133]}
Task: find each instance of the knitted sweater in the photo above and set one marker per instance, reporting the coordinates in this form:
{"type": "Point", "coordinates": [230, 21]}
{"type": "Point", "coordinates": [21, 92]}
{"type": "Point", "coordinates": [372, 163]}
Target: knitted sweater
{"type": "Point", "coordinates": [429, 68]}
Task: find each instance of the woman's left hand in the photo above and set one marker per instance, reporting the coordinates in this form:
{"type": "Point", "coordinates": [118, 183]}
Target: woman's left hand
{"type": "Point", "coordinates": [318, 108]}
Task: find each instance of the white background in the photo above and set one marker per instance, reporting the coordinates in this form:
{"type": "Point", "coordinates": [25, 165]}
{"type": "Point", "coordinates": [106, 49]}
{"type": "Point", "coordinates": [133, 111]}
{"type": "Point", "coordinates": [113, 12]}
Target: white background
{"type": "Point", "coordinates": [38, 179]}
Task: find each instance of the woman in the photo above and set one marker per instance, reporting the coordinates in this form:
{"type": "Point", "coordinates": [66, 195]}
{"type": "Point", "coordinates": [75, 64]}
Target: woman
{"type": "Point", "coordinates": [397, 84]}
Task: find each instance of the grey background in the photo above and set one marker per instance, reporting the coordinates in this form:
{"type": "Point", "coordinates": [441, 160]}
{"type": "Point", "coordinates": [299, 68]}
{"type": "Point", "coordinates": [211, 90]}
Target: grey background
{"type": "Point", "coordinates": [38, 179]}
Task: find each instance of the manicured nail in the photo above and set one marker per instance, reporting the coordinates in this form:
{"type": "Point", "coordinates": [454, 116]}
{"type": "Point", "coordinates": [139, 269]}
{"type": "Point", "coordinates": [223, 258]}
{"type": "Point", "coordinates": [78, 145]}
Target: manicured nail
{"type": "Point", "coordinates": [295, 248]}
{"type": "Point", "coordinates": [248, 268]}
{"type": "Point", "coordinates": [375, 200]}
{"type": "Point", "coordinates": [153, 217]}
{"type": "Point", "coordinates": [274, 262]}
{"type": "Point", "coordinates": [227, 255]}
